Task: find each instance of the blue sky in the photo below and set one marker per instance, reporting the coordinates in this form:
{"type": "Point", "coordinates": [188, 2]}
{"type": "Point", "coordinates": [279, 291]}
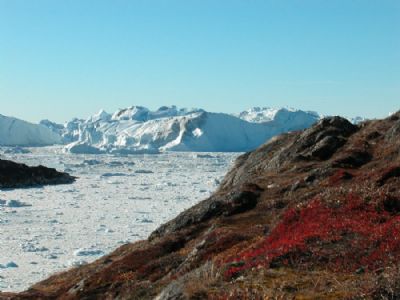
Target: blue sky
{"type": "Point", "coordinates": [66, 58]}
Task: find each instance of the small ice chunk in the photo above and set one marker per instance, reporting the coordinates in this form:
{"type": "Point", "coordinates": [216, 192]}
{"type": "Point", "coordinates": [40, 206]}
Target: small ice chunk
{"type": "Point", "coordinates": [113, 174]}
{"type": "Point", "coordinates": [197, 132]}
{"type": "Point", "coordinates": [10, 264]}
{"type": "Point", "coordinates": [29, 247]}
{"type": "Point", "coordinates": [91, 162]}
{"type": "Point", "coordinates": [145, 220]}
{"type": "Point", "coordinates": [13, 203]}
{"type": "Point", "coordinates": [88, 252]}
{"type": "Point", "coordinates": [76, 263]}
{"type": "Point", "coordinates": [115, 163]}
{"type": "Point", "coordinates": [141, 171]}
{"type": "Point", "coordinates": [204, 156]}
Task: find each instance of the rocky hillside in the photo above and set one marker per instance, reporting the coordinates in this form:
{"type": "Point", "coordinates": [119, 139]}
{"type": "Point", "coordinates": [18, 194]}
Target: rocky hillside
{"type": "Point", "coordinates": [15, 175]}
{"type": "Point", "coordinates": [313, 214]}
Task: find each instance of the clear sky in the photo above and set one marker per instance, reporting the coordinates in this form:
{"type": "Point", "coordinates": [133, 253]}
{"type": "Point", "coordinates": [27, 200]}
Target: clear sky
{"type": "Point", "coordinates": [65, 58]}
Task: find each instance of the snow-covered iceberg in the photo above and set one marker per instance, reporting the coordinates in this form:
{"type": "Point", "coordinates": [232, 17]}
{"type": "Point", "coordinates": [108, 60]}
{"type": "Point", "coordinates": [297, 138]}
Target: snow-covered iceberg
{"type": "Point", "coordinates": [138, 130]}
{"type": "Point", "coordinates": [15, 132]}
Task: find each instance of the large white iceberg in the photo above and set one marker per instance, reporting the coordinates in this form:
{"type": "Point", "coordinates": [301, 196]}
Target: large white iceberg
{"type": "Point", "coordinates": [15, 132]}
{"type": "Point", "coordinates": [138, 130]}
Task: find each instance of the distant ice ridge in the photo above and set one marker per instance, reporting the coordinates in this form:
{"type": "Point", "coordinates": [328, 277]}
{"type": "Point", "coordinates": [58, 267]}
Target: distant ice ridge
{"type": "Point", "coordinates": [267, 114]}
{"type": "Point", "coordinates": [15, 132]}
{"type": "Point", "coordinates": [357, 120]}
{"type": "Point", "coordinates": [138, 130]}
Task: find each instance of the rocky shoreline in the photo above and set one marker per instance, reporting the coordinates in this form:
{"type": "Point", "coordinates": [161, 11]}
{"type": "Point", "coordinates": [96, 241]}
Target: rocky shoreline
{"type": "Point", "coordinates": [15, 175]}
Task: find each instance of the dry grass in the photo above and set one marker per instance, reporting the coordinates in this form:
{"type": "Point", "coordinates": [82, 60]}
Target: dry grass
{"type": "Point", "coordinates": [285, 283]}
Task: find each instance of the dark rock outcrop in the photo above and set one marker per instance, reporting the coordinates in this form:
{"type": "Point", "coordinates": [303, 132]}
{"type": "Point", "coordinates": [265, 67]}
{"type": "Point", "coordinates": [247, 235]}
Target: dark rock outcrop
{"type": "Point", "coordinates": [235, 202]}
{"type": "Point", "coordinates": [15, 175]}
{"type": "Point", "coordinates": [353, 159]}
{"type": "Point", "coordinates": [324, 139]}
{"type": "Point", "coordinates": [388, 174]}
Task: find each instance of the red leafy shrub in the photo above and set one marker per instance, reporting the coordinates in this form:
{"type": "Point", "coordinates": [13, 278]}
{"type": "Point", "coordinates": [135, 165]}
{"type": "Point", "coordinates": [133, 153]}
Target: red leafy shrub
{"type": "Point", "coordinates": [348, 236]}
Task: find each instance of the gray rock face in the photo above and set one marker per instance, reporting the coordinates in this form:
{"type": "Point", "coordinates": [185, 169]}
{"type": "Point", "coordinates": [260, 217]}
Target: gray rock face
{"type": "Point", "coordinates": [322, 140]}
{"type": "Point", "coordinates": [325, 148]}
{"type": "Point", "coordinates": [236, 202]}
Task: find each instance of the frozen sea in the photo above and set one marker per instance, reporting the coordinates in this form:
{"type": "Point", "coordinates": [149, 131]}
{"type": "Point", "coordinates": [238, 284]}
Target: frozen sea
{"type": "Point", "coordinates": [115, 200]}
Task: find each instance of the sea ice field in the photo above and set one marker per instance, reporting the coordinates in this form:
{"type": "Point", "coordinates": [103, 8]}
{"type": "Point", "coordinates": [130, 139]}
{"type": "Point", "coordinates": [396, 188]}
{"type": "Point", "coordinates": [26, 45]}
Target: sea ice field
{"type": "Point", "coordinates": [115, 200]}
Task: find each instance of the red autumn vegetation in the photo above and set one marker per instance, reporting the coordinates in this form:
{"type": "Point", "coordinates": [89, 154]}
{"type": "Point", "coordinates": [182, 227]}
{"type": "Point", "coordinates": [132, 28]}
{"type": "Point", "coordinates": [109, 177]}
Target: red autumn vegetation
{"type": "Point", "coordinates": [370, 236]}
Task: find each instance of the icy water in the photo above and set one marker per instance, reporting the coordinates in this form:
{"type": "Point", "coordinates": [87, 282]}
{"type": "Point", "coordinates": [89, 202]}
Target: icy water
{"type": "Point", "coordinates": [115, 200]}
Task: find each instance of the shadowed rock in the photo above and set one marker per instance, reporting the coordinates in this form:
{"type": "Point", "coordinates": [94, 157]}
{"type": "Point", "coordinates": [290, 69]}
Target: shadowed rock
{"type": "Point", "coordinates": [322, 140]}
{"type": "Point", "coordinates": [353, 159]}
{"type": "Point", "coordinates": [15, 175]}
{"type": "Point", "coordinates": [392, 204]}
{"type": "Point", "coordinates": [388, 174]}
